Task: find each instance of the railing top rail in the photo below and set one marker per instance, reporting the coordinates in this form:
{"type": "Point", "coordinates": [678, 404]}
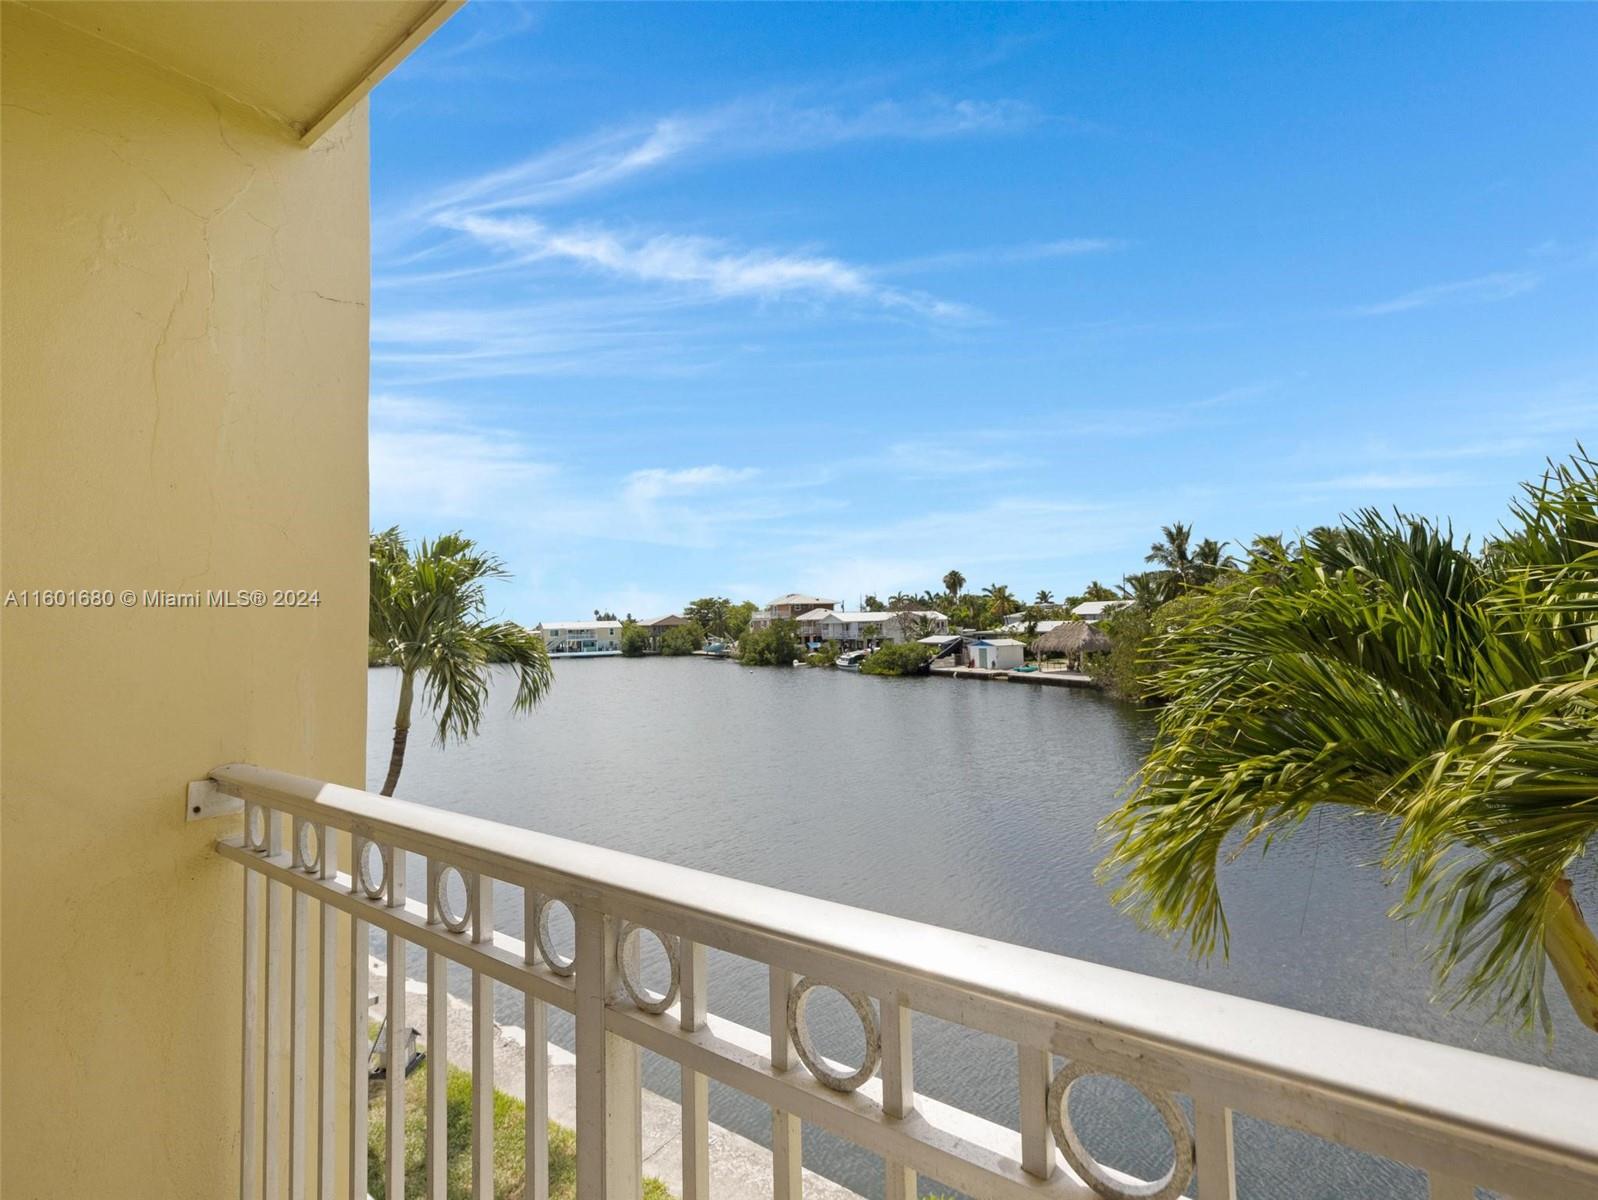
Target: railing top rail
{"type": "Point", "coordinates": [1549, 1114]}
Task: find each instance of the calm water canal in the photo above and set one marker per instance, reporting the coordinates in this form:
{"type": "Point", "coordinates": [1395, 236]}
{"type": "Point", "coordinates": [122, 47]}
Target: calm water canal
{"type": "Point", "coordinates": [970, 805]}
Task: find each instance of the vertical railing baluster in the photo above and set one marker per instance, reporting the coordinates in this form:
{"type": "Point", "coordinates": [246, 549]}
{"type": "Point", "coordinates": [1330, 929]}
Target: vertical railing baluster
{"type": "Point", "coordinates": [299, 1028]}
{"type": "Point", "coordinates": [360, 1040]}
{"type": "Point", "coordinates": [327, 1018]}
{"type": "Point", "coordinates": [272, 1105]}
{"type": "Point", "coordinates": [482, 897]}
{"type": "Point", "coordinates": [1214, 1156]}
{"type": "Point", "coordinates": [437, 1049]}
{"type": "Point", "coordinates": [394, 1068]}
{"type": "Point", "coordinates": [787, 1147]}
{"type": "Point", "coordinates": [249, 1163]}
{"type": "Point", "coordinates": [535, 1060]}
{"type": "Point", "coordinates": [609, 1113]}
{"type": "Point", "coordinates": [898, 1088]}
{"type": "Point", "coordinates": [1035, 1067]}
{"type": "Point", "coordinates": [695, 1087]}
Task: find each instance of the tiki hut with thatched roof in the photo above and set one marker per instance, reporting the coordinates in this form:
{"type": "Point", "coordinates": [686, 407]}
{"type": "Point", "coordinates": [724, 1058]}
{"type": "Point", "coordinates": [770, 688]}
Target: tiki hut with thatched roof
{"type": "Point", "coordinates": [1072, 640]}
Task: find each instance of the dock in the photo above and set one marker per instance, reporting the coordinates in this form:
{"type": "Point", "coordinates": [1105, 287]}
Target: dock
{"type": "Point", "coordinates": [1070, 679]}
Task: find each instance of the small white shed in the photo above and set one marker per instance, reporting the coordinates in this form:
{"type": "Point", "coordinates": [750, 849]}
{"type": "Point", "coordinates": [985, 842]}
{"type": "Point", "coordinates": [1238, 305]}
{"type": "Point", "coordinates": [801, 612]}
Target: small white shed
{"type": "Point", "coordinates": [997, 654]}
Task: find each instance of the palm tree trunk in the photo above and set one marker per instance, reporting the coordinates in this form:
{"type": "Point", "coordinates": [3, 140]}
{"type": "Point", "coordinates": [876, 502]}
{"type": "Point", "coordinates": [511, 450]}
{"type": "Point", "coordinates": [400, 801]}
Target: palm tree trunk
{"type": "Point", "coordinates": [402, 730]}
{"type": "Point", "coordinates": [1573, 949]}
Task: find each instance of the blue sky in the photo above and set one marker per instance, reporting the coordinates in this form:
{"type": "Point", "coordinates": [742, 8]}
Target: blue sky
{"type": "Point", "coordinates": [673, 300]}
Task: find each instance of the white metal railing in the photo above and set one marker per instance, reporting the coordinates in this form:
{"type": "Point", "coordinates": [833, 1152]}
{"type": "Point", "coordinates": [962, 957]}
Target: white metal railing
{"type": "Point", "coordinates": [1465, 1119]}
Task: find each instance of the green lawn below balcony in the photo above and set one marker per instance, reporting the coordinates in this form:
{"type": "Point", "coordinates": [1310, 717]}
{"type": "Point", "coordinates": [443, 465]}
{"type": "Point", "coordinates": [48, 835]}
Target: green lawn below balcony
{"type": "Point", "coordinates": [510, 1123]}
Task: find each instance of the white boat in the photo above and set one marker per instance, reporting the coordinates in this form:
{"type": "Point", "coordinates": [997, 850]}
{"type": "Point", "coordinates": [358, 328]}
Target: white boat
{"type": "Point", "coordinates": [850, 660]}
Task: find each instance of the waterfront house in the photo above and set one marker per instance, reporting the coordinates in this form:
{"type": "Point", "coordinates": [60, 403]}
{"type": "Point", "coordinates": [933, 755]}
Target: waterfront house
{"type": "Point", "coordinates": [580, 639]}
{"type": "Point", "coordinates": [657, 628]}
{"type": "Point", "coordinates": [189, 857]}
{"type": "Point", "coordinates": [789, 608]}
{"type": "Point", "coordinates": [1092, 611]}
{"type": "Point", "coordinates": [1020, 620]}
{"type": "Point", "coordinates": [854, 629]}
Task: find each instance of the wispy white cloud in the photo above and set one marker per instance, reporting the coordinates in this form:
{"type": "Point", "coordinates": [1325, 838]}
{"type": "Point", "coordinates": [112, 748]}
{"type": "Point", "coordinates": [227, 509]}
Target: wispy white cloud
{"type": "Point", "coordinates": [654, 483]}
{"type": "Point", "coordinates": [850, 558]}
{"type": "Point", "coordinates": [701, 507]}
{"type": "Point", "coordinates": [927, 459]}
{"type": "Point", "coordinates": [1388, 481]}
{"type": "Point", "coordinates": [430, 462]}
{"type": "Point", "coordinates": [1508, 446]}
{"type": "Point", "coordinates": [1022, 252]}
{"type": "Point", "coordinates": [442, 238]}
{"type": "Point", "coordinates": [449, 473]}
{"type": "Point", "coordinates": [1500, 285]}
{"type": "Point", "coordinates": [610, 335]}
{"type": "Point", "coordinates": [495, 23]}
{"type": "Point", "coordinates": [698, 262]}
{"type": "Point", "coordinates": [1245, 393]}
{"type": "Point", "coordinates": [761, 125]}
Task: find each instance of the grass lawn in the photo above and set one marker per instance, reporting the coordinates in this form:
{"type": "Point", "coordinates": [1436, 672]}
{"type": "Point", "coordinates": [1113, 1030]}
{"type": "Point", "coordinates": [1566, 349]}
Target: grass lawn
{"type": "Point", "coordinates": [510, 1122]}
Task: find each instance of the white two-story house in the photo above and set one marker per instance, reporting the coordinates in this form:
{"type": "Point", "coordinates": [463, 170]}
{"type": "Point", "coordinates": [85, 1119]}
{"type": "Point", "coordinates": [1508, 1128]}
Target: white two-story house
{"type": "Point", "coordinates": [869, 628]}
{"type": "Point", "coordinates": [580, 639]}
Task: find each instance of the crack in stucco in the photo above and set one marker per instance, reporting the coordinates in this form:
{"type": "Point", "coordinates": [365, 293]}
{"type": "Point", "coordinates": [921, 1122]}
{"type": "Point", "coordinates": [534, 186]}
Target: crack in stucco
{"type": "Point", "coordinates": [337, 299]}
{"type": "Point", "coordinates": [222, 211]}
{"type": "Point", "coordinates": [113, 142]}
{"type": "Point", "coordinates": [155, 368]}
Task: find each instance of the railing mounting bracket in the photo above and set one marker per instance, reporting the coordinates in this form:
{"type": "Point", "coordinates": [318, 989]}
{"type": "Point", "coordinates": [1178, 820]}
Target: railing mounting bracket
{"type": "Point", "coordinates": [206, 800]}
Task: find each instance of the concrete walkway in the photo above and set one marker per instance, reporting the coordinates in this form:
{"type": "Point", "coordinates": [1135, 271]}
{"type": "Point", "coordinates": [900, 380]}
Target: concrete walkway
{"type": "Point", "coordinates": [739, 1168]}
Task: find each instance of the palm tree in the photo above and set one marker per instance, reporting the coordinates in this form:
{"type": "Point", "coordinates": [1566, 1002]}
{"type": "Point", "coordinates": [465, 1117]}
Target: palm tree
{"type": "Point", "coordinates": [426, 619]}
{"type": "Point", "coordinates": [1210, 560]}
{"type": "Point", "coordinates": [1146, 591]}
{"type": "Point", "coordinates": [1386, 668]}
{"type": "Point", "coordinates": [953, 582]}
{"type": "Point", "coordinates": [1000, 601]}
{"type": "Point", "coordinates": [1044, 597]}
{"type": "Point", "coordinates": [1170, 553]}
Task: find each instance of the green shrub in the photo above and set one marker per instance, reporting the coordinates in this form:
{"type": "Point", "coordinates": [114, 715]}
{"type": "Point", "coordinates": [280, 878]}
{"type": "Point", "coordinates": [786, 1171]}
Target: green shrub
{"type": "Point", "coordinates": [682, 639]}
{"type": "Point", "coordinates": [827, 656]}
{"type": "Point", "coordinates": [1129, 670]}
{"type": "Point", "coordinates": [905, 658]}
{"type": "Point", "coordinates": [777, 645]}
{"type": "Point", "coordinates": [1122, 672]}
{"type": "Point", "coordinates": [634, 639]}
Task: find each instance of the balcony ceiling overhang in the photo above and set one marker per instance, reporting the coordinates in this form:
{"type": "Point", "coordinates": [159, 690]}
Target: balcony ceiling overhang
{"type": "Point", "coordinates": [304, 62]}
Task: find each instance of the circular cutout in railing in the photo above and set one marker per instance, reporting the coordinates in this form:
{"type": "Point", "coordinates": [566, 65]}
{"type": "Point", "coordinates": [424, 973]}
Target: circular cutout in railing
{"type": "Point", "coordinates": [373, 868]}
{"type": "Point", "coordinates": [1117, 1186]}
{"type": "Point", "coordinates": [544, 934]}
{"type": "Point", "coordinates": [799, 1030]}
{"type": "Point", "coordinates": [308, 848]}
{"type": "Point", "coordinates": [452, 899]}
{"type": "Point", "coordinates": [630, 965]}
{"type": "Point", "coordinates": [255, 828]}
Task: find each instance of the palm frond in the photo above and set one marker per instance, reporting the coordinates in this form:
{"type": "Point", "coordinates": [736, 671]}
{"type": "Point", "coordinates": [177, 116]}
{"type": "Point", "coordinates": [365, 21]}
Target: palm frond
{"type": "Point", "coordinates": [1385, 667]}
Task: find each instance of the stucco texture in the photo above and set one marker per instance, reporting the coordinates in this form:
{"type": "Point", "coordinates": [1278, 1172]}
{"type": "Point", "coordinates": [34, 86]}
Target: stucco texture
{"type": "Point", "coordinates": [184, 375]}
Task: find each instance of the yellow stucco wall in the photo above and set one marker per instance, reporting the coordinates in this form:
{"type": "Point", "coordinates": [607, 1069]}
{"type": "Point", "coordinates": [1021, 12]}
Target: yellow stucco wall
{"type": "Point", "coordinates": [183, 385]}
